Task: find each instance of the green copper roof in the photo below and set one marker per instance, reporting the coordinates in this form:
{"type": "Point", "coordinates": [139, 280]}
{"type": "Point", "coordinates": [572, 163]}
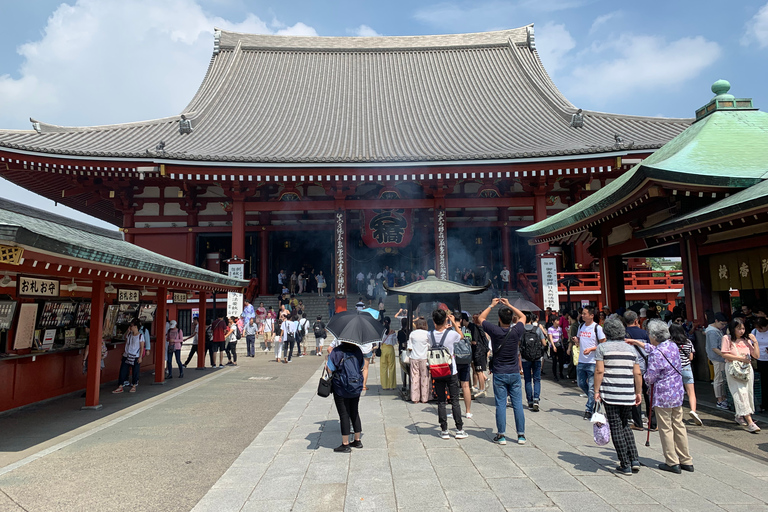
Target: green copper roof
{"type": "Point", "coordinates": [38, 229]}
{"type": "Point", "coordinates": [725, 149]}
{"type": "Point", "coordinates": [433, 285]}
{"type": "Point", "coordinates": [748, 199]}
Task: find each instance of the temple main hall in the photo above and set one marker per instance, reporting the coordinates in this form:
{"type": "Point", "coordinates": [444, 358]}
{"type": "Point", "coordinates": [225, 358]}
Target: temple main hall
{"type": "Point", "coordinates": [346, 154]}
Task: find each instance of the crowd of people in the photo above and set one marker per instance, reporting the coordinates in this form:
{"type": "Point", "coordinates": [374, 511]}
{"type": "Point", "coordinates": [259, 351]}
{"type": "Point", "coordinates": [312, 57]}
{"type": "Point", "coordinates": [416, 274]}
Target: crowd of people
{"type": "Point", "coordinates": [619, 360]}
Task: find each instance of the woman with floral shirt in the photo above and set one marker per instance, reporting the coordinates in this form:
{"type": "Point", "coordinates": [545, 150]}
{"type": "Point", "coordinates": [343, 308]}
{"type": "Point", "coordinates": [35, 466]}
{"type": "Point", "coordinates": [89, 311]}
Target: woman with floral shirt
{"type": "Point", "coordinates": [664, 376]}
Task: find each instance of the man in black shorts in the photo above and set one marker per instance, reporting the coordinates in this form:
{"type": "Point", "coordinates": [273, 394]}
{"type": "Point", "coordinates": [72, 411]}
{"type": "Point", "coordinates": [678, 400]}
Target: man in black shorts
{"type": "Point", "coordinates": [479, 352]}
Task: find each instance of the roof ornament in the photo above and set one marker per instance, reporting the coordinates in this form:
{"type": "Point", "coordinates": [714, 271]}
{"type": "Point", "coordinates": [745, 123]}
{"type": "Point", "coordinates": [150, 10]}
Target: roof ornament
{"type": "Point", "coordinates": [577, 120]}
{"type": "Point", "coordinates": [36, 125]}
{"type": "Point", "coordinates": [216, 41]}
{"type": "Point", "coordinates": [530, 38]}
{"type": "Point", "coordinates": [723, 100]}
{"type": "Point", "coordinates": [185, 125]}
{"type": "Point", "coordinates": [619, 142]}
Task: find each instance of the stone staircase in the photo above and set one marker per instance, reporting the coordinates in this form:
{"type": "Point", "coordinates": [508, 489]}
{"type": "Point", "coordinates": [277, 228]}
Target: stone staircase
{"type": "Point", "coordinates": [317, 306]}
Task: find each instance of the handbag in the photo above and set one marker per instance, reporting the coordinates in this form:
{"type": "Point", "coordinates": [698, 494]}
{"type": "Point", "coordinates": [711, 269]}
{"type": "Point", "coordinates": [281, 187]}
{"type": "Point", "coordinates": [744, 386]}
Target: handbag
{"type": "Point", "coordinates": [601, 431]}
{"type": "Point", "coordinates": [404, 359]}
{"type": "Point", "coordinates": [738, 370]}
{"type": "Point", "coordinates": [378, 351]}
{"type": "Point", "coordinates": [324, 386]}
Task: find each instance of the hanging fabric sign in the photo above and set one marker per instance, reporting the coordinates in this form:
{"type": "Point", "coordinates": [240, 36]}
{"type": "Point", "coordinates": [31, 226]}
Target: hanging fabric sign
{"type": "Point", "coordinates": [387, 227]}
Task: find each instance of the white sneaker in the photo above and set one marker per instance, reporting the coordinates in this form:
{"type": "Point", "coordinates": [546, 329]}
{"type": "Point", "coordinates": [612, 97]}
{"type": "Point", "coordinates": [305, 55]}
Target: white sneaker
{"type": "Point", "coordinates": [460, 434]}
{"type": "Point", "coordinates": [469, 415]}
{"type": "Point", "coordinates": [696, 418]}
{"type": "Point", "coordinates": [450, 415]}
{"type": "Point", "coordinates": [445, 434]}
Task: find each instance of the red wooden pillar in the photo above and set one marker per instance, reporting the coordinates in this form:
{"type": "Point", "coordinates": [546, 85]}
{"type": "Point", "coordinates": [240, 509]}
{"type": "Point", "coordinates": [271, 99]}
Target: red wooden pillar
{"type": "Point", "coordinates": [238, 228]}
{"type": "Point", "coordinates": [505, 245]}
{"type": "Point", "coordinates": [93, 379]}
{"type": "Point", "coordinates": [264, 261]}
{"type": "Point", "coordinates": [128, 225]}
{"type": "Point", "coordinates": [203, 304]}
{"type": "Point", "coordinates": [539, 214]}
{"type": "Point", "coordinates": [162, 304]}
{"type": "Point", "coordinates": [612, 281]}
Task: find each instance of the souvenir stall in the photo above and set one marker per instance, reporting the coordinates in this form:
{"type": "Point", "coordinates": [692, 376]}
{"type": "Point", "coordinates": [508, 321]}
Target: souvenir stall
{"type": "Point", "coordinates": [66, 286]}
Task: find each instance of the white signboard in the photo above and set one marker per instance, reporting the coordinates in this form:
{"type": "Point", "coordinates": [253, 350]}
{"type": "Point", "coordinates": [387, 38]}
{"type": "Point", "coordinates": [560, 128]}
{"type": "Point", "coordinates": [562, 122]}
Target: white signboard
{"type": "Point", "coordinates": [235, 300]}
{"type": "Point", "coordinates": [34, 287]}
{"type": "Point", "coordinates": [127, 296]}
{"type": "Point", "coordinates": [549, 283]}
{"type": "Point", "coordinates": [179, 297]}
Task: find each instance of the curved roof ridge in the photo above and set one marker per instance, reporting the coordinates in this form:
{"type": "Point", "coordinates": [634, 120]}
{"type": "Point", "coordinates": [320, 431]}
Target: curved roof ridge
{"type": "Point", "coordinates": [54, 128]}
{"type": "Point", "coordinates": [231, 39]}
{"type": "Point", "coordinates": [213, 95]}
{"type": "Point", "coordinates": [636, 117]}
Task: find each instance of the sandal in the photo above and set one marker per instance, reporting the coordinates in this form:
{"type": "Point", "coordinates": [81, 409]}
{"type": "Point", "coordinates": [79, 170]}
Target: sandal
{"type": "Point", "coordinates": [365, 388]}
{"type": "Point", "coordinates": [118, 390]}
{"type": "Point", "coordinates": [132, 390]}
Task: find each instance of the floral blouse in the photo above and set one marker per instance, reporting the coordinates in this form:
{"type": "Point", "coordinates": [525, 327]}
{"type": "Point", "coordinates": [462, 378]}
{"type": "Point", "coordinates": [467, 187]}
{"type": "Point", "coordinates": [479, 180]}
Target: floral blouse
{"type": "Point", "coordinates": [663, 375]}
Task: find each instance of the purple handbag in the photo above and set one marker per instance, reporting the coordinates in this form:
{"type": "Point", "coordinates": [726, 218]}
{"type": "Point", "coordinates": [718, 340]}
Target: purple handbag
{"type": "Point", "coordinates": [601, 431]}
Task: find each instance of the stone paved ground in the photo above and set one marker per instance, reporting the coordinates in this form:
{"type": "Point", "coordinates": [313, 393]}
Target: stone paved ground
{"type": "Point", "coordinates": [290, 465]}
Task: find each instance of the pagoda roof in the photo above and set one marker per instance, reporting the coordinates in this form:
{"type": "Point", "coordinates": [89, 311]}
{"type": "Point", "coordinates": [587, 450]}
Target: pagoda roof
{"type": "Point", "coordinates": [268, 100]}
{"type": "Point", "coordinates": [723, 150]}
{"type": "Point", "coordinates": [43, 231]}
{"type": "Point", "coordinates": [432, 285]}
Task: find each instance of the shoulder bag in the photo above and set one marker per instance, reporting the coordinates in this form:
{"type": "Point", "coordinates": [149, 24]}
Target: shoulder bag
{"type": "Point", "coordinates": [324, 386]}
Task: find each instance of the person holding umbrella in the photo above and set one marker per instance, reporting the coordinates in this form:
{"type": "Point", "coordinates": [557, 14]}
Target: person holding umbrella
{"type": "Point", "coordinates": [345, 363]}
{"type": "Point", "coordinates": [351, 330]}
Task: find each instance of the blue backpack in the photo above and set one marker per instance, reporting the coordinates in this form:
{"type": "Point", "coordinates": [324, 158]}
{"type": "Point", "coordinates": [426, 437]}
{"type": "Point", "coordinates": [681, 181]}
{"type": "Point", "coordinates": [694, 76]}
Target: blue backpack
{"type": "Point", "coordinates": [348, 377]}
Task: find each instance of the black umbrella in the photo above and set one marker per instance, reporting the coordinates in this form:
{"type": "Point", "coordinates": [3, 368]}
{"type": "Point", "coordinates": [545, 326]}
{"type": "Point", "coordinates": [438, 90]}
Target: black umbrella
{"type": "Point", "coordinates": [355, 327]}
{"type": "Point", "coordinates": [525, 305]}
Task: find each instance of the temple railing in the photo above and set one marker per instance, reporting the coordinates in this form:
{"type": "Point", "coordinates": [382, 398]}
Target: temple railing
{"type": "Point", "coordinates": [636, 280]}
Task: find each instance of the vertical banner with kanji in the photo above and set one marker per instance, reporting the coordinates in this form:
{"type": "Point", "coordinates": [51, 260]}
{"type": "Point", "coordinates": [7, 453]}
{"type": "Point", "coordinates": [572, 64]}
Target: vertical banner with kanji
{"type": "Point", "coordinates": [234, 299]}
{"type": "Point", "coordinates": [549, 283]}
{"type": "Point", "coordinates": [340, 253]}
{"type": "Point", "coordinates": [441, 245]}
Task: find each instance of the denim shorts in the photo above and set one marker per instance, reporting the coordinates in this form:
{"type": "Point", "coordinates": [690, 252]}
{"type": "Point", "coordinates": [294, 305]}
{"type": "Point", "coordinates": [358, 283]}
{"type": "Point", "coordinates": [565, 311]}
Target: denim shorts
{"type": "Point", "coordinates": [368, 355]}
{"type": "Point", "coordinates": [687, 374]}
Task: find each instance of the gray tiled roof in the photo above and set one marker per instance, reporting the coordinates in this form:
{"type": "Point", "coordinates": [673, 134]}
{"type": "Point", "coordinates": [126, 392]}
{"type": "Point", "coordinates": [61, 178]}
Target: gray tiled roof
{"type": "Point", "coordinates": [284, 99]}
{"type": "Point", "coordinates": [45, 231]}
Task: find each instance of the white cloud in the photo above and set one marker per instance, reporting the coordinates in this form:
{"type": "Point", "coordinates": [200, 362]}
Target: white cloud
{"type": "Point", "coordinates": [639, 64]}
{"type": "Point", "coordinates": [486, 15]}
{"type": "Point", "coordinates": [602, 20]}
{"type": "Point", "coordinates": [757, 29]}
{"type": "Point", "coordinates": [364, 31]}
{"type": "Point", "coordinates": [553, 42]}
{"type": "Point", "coordinates": [103, 62]}
{"type": "Point", "coordinates": [117, 62]}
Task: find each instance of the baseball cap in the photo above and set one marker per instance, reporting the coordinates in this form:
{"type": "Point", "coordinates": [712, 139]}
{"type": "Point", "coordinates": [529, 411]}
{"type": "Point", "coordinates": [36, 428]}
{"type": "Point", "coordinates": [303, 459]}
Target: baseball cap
{"type": "Point", "coordinates": [643, 313]}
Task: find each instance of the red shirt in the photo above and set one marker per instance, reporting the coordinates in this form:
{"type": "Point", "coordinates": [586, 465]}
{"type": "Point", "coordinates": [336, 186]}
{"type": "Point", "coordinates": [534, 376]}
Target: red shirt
{"type": "Point", "coordinates": [218, 330]}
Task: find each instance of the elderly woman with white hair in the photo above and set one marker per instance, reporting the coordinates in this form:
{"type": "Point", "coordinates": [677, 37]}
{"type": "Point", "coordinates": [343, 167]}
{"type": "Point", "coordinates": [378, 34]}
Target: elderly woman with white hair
{"type": "Point", "coordinates": [619, 385]}
{"type": "Point", "coordinates": [664, 376]}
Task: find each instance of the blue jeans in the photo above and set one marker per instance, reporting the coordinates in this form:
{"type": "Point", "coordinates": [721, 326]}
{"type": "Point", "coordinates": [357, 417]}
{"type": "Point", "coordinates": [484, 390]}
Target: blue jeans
{"type": "Point", "coordinates": [508, 384]}
{"type": "Point", "coordinates": [585, 375]}
{"type": "Point", "coordinates": [532, 370]}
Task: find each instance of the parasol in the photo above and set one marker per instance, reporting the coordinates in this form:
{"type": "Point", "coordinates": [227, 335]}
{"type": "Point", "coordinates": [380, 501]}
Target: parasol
{"type": "Point", "coordinates": [355, 327]}
{"type": "Point", "coordinates": [525, 305]}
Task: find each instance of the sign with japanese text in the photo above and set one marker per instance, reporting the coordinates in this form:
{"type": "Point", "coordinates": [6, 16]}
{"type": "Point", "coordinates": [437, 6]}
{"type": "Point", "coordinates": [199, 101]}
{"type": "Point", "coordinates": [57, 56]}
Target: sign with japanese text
{"type": "Point", "coordinates": [179, 297]}
{"type": "Point", "coordinates": [441, 246]}
{"type": "Point", "coordinates": [35, 287]}
{"type": "Point", "coordinates": [549, 283]}
{"type": "Point", "coordinates": [387, 227]}
{"type": "Point", "coordinates": [340, 255]}
{"type": "Point", "coordinates": [127, 296]}
{"type": "Point", "coordinates": [234, 299]}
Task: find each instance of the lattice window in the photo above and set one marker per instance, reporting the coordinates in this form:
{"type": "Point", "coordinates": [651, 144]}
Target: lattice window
{"type": "Point", "coordinates": [10, 255]}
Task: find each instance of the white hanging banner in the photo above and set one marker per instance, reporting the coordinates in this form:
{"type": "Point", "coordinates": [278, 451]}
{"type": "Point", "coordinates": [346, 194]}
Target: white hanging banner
{"type": "Point", "coordinates": [234, 299]}
{"type": "Point", "coordinates": [549, 283]}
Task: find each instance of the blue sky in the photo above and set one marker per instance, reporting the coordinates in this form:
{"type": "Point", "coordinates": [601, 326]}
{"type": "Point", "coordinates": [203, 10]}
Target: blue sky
{"type": "Point", "coordinates": [90, 62]}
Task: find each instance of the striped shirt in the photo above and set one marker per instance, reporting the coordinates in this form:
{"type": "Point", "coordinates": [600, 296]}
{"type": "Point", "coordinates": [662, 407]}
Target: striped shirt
{"type": "Point", "coordinates": [619, 360]}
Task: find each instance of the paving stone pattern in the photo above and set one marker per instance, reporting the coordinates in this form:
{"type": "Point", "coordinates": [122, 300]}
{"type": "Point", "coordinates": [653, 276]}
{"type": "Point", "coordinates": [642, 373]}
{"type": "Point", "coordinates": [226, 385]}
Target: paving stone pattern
{"type": "Point", "coordinates": [405, 466]}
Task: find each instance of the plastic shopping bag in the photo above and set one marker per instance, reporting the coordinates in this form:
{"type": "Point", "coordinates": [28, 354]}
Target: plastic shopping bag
{"type": "Point", "coordinates": [601, 431]}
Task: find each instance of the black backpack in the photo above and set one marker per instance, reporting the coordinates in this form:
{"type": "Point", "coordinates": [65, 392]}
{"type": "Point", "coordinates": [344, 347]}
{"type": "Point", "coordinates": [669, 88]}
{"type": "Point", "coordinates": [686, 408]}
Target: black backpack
{"type": "Point", "coordinates": [530, 346]}
{"type": "Point", "coordinates": [319, 329]}
{"type": "Point", "coordinates": [302, 327]}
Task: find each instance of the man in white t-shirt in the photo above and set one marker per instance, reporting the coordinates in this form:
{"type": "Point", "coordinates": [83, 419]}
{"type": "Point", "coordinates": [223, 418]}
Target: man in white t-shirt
{"type": "Point", "coordinates": [448, 330]}
{"type": "Point", "coordinates": [504, 275]}
{"type": "Point", "coordinates": [360, 283]}
{"type": "Point", "coordinates": [590, 334]}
